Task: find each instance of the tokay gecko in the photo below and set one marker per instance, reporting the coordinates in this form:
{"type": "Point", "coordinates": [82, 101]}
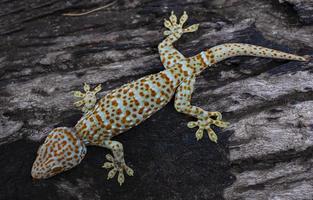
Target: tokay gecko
{"type": "Point", "coordinates": [132, 103]}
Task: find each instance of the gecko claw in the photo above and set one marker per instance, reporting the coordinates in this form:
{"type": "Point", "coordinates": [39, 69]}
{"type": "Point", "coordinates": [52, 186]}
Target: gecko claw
{"type": "Point", "coordinates": [192, 124]}
{"type": "Point", "coordinates": [107, 165]}
{"type": "Point", "coordinates": [199, 134]}
{"type": "Point", "coordinates": [120, 178]}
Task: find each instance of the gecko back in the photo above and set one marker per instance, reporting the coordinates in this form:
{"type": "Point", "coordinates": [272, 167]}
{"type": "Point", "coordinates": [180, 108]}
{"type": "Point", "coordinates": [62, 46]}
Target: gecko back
{"type": "Point", "coordinates": [129, 105]}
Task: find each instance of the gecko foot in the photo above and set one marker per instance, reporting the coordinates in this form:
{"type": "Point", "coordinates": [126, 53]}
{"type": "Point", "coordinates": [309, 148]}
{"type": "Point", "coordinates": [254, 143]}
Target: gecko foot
{"type": "Point", "coordinates": [89, 98]}
{"type": "Point", "coordinates": [204, 124]}
{"type": "Point", "coordinates": [177, 28]}
{"type": "Point", "coordinates": [117, 167]}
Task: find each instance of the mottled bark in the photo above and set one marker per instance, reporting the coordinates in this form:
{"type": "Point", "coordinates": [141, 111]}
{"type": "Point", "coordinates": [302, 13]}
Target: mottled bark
{"type": "Point", "coordinates": [266, 153]}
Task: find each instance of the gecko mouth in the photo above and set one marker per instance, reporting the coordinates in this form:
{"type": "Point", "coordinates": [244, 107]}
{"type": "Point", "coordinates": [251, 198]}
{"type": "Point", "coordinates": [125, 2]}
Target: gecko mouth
{"type": "Point", "coordinates": [36, 176]}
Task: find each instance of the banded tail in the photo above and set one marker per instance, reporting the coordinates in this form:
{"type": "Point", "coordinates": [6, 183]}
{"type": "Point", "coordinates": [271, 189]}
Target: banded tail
{"type": "Point", "coordinates": [224, 51]}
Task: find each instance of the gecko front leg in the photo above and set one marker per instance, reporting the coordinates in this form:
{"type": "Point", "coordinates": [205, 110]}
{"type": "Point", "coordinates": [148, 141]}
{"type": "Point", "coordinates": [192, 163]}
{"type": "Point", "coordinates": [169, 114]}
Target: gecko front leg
{"type": "Point", "coordinates": [117, 162]}
{"type": "Point", "coordinates": [168, 53]}
{"type": "Point", "coordinates": [182, 104]}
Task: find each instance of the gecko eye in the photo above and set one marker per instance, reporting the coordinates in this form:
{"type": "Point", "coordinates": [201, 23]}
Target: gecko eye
{"type": "Point", "coordinates": [57, 169]}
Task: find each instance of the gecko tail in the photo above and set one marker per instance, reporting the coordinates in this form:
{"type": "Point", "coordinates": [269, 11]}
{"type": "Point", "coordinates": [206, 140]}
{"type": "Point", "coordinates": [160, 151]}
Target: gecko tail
{"type": "Point", "coordinates": [224, 51]}
{"type": "Point", "coordinates": [221, 52]}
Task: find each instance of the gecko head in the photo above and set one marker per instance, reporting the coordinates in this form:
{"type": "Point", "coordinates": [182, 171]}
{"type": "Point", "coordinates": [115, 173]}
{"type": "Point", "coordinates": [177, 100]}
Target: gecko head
{"type": "Point", "coordinates": [61, 151]}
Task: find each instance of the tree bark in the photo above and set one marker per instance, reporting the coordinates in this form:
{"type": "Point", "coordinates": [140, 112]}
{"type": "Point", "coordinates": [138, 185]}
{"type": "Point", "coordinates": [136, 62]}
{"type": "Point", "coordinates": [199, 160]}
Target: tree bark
{"type": "Point", "coordinates": [266, 153]}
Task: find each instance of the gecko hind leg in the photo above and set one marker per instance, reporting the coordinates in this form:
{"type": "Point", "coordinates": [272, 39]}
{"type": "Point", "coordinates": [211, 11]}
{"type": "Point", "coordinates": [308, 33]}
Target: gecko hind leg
{"type": "Point", "coordinates": [116, 161]}
{"type": "Point", "coordinates": [182, 104]}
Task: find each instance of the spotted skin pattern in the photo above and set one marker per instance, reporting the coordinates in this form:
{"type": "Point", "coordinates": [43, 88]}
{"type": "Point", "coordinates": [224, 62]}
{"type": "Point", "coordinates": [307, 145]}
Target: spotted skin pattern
{"type": "Point", "coordinates": [61, 151]}
{"type": "Point", "coordinates": [132, 103]}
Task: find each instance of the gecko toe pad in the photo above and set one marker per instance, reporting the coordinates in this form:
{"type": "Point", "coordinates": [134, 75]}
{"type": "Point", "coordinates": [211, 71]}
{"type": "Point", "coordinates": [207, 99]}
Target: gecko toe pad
{"type": "Point", "coordinates": [117, 167]}
{"type": "Point", "coordinates": [89, 98]}
{"type": "Point", "coordinates": [205, 125]}
{"type": "Point", "coordinates": [177, 28]}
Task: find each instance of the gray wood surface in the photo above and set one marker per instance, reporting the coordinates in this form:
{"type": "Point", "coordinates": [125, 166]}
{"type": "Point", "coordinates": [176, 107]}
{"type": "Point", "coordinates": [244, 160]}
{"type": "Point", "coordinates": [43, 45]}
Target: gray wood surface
{"type": "Point", "coordinates": [266, 153]}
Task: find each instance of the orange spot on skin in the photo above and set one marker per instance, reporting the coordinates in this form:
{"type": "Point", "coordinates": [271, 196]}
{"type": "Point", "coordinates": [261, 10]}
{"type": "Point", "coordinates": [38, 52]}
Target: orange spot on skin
{"type": "Point", "coordinates": [141, 110]}
{"type": "Point", "coordinates": [99, 119]}
{"type": "Point", "coordinates": [201, 60]}
{"type": "Point", "coordinates": [114, 103]}
{"type": "Point", "coordinates": [137, 102]}
{"type": "Point", "coordinates": [153, 93]}
{"type": "Point", "coordinates": [125, 91]}
{"type": "Point", "coordinates": [90, 119]}
{"type": "Point", "coordinates": [119, 111]}
{"type": "Point", "coordinates": [147, 86]}
{"type": "Point", "coordinates": [70, 136]}
{"type": "Point", "coordinates": [108, 127]}
{"type": "Point", "coordinates": [165, 77]}
{"type": "Point", "coordinates": [63, 143]}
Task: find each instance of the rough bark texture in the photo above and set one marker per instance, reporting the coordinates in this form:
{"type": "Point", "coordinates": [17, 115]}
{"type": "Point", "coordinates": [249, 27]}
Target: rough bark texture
{"type": "Point", "coordinates": [266, 153]}
{"type": "Point", "coordinates": [304, 8]}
